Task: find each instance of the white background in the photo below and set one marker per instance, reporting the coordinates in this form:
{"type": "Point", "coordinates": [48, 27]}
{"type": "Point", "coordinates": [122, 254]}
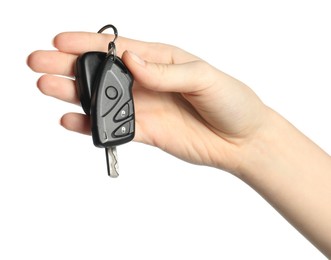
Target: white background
{"type": "Point", "coordinates": [56, 200]}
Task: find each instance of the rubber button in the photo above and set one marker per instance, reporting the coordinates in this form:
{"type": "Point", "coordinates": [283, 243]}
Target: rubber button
{"type": "Point", "coordinates": [111, 92]}
{"type": "Point", "coordinates": [123, 130]}
{"type": "Point", "coordinates": [123, 113]}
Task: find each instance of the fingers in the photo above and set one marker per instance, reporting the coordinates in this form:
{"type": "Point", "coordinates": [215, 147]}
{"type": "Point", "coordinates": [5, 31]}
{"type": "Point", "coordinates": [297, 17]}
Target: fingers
{"type": "Point", "coordinates": [52, 62]}
{"type": "Point", "coordinates": [58, 87]}
{"type": "Point", "coordinates": [76, 122]}
{"type": "Point", "coordinates": [79, 42]}
{"type": "Point", "coordinates": [72, 44]}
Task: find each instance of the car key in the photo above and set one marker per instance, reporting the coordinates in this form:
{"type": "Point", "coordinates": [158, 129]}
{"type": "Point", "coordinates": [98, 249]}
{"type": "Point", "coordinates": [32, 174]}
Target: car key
{"type": "Point", "coordinates": [104, 86]}
{"type": "Point", "coordinates": [112, 110]}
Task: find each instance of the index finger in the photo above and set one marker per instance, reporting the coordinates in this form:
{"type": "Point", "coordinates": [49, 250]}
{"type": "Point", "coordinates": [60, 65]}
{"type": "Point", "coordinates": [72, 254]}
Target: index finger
{"type": "Point", "coordinates": [80, 42]}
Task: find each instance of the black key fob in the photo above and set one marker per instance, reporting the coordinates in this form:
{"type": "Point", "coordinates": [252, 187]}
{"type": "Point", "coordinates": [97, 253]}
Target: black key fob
{"type": "Point", "coordinates": [112, 108]}
{"type": "Point", "coordinates": [104, 86]}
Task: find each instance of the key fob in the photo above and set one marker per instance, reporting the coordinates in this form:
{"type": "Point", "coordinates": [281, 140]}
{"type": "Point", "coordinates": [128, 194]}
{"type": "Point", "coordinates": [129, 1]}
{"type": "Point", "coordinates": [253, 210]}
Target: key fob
{"type": "Point", "coordinates": [112, 108]}
{"type": "Point", "coordinates": [86, 68]}
{"type": "Point", "coordinates": [104, 87]}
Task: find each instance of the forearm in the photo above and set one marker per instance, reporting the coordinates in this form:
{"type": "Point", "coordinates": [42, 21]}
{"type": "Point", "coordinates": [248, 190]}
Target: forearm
{"type": "Point", "coordinates": [294, 175]}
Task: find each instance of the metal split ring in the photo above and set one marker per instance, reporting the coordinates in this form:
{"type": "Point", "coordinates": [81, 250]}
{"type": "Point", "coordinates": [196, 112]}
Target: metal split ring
{"type": "Point", "coordinates": [111, 45]}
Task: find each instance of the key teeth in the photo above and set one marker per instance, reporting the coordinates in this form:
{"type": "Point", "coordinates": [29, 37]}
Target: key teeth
{"type": "Point", "coordinates": [114, 167]}
{"type": "Point", "coordinates": [112, 162]}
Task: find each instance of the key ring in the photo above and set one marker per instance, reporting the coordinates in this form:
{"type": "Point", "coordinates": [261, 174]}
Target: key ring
{"type": "Point", "coordinates": [111, 45]}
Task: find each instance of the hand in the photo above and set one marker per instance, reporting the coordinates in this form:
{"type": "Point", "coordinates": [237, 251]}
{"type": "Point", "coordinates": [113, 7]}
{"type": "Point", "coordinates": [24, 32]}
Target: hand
{"type": "Point", "coordinates": [183, 105]}
{"type": "Point", "coordinates": [194, 111]}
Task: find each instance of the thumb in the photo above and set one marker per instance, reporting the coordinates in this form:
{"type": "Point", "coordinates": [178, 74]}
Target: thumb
{"type": "Point", "coordinates": [184, 78]}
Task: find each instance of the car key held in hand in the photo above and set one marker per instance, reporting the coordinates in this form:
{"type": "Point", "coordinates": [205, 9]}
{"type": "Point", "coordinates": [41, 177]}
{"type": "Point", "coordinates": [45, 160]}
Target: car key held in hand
{"type": "Point", "coordinates": [104, 85]}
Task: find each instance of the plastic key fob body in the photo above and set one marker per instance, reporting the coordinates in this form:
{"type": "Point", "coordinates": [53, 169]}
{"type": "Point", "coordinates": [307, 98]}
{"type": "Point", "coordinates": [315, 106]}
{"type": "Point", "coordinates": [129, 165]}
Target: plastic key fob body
{"type": "Point", "coordinates": [86, 68]}
{"type": "Point", "coordinates": [112, 108]}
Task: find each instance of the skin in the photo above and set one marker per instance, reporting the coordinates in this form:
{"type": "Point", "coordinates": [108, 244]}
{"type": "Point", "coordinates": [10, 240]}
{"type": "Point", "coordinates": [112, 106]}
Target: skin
{"type": "Point", "coordinates": [199, 114]}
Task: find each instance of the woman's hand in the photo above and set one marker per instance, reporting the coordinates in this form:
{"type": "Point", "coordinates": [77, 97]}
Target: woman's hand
{"type": "Point", "coordinates": [183, 105]}
{"type": "Point", "coordinates": [194, 111]}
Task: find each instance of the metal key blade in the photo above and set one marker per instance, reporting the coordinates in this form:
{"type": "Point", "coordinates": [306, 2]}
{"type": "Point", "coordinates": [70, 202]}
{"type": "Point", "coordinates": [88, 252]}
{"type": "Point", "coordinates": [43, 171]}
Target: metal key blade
{"type": "Point", "coordinates": [112, 161]}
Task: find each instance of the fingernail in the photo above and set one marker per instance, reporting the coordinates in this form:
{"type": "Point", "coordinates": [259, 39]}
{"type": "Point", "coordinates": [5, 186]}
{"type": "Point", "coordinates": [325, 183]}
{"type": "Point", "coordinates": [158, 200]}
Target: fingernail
{"type": "Point", "coordinates": [136, 58]}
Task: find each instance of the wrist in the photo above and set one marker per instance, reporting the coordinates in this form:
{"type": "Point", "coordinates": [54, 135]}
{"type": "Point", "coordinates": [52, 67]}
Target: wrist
{"type": "Point", "coordinates": [278, 149]}
{"type": "Point", "coordinates": [293, 175]}
{"type": "Point", "coordinates": [262, 153]}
